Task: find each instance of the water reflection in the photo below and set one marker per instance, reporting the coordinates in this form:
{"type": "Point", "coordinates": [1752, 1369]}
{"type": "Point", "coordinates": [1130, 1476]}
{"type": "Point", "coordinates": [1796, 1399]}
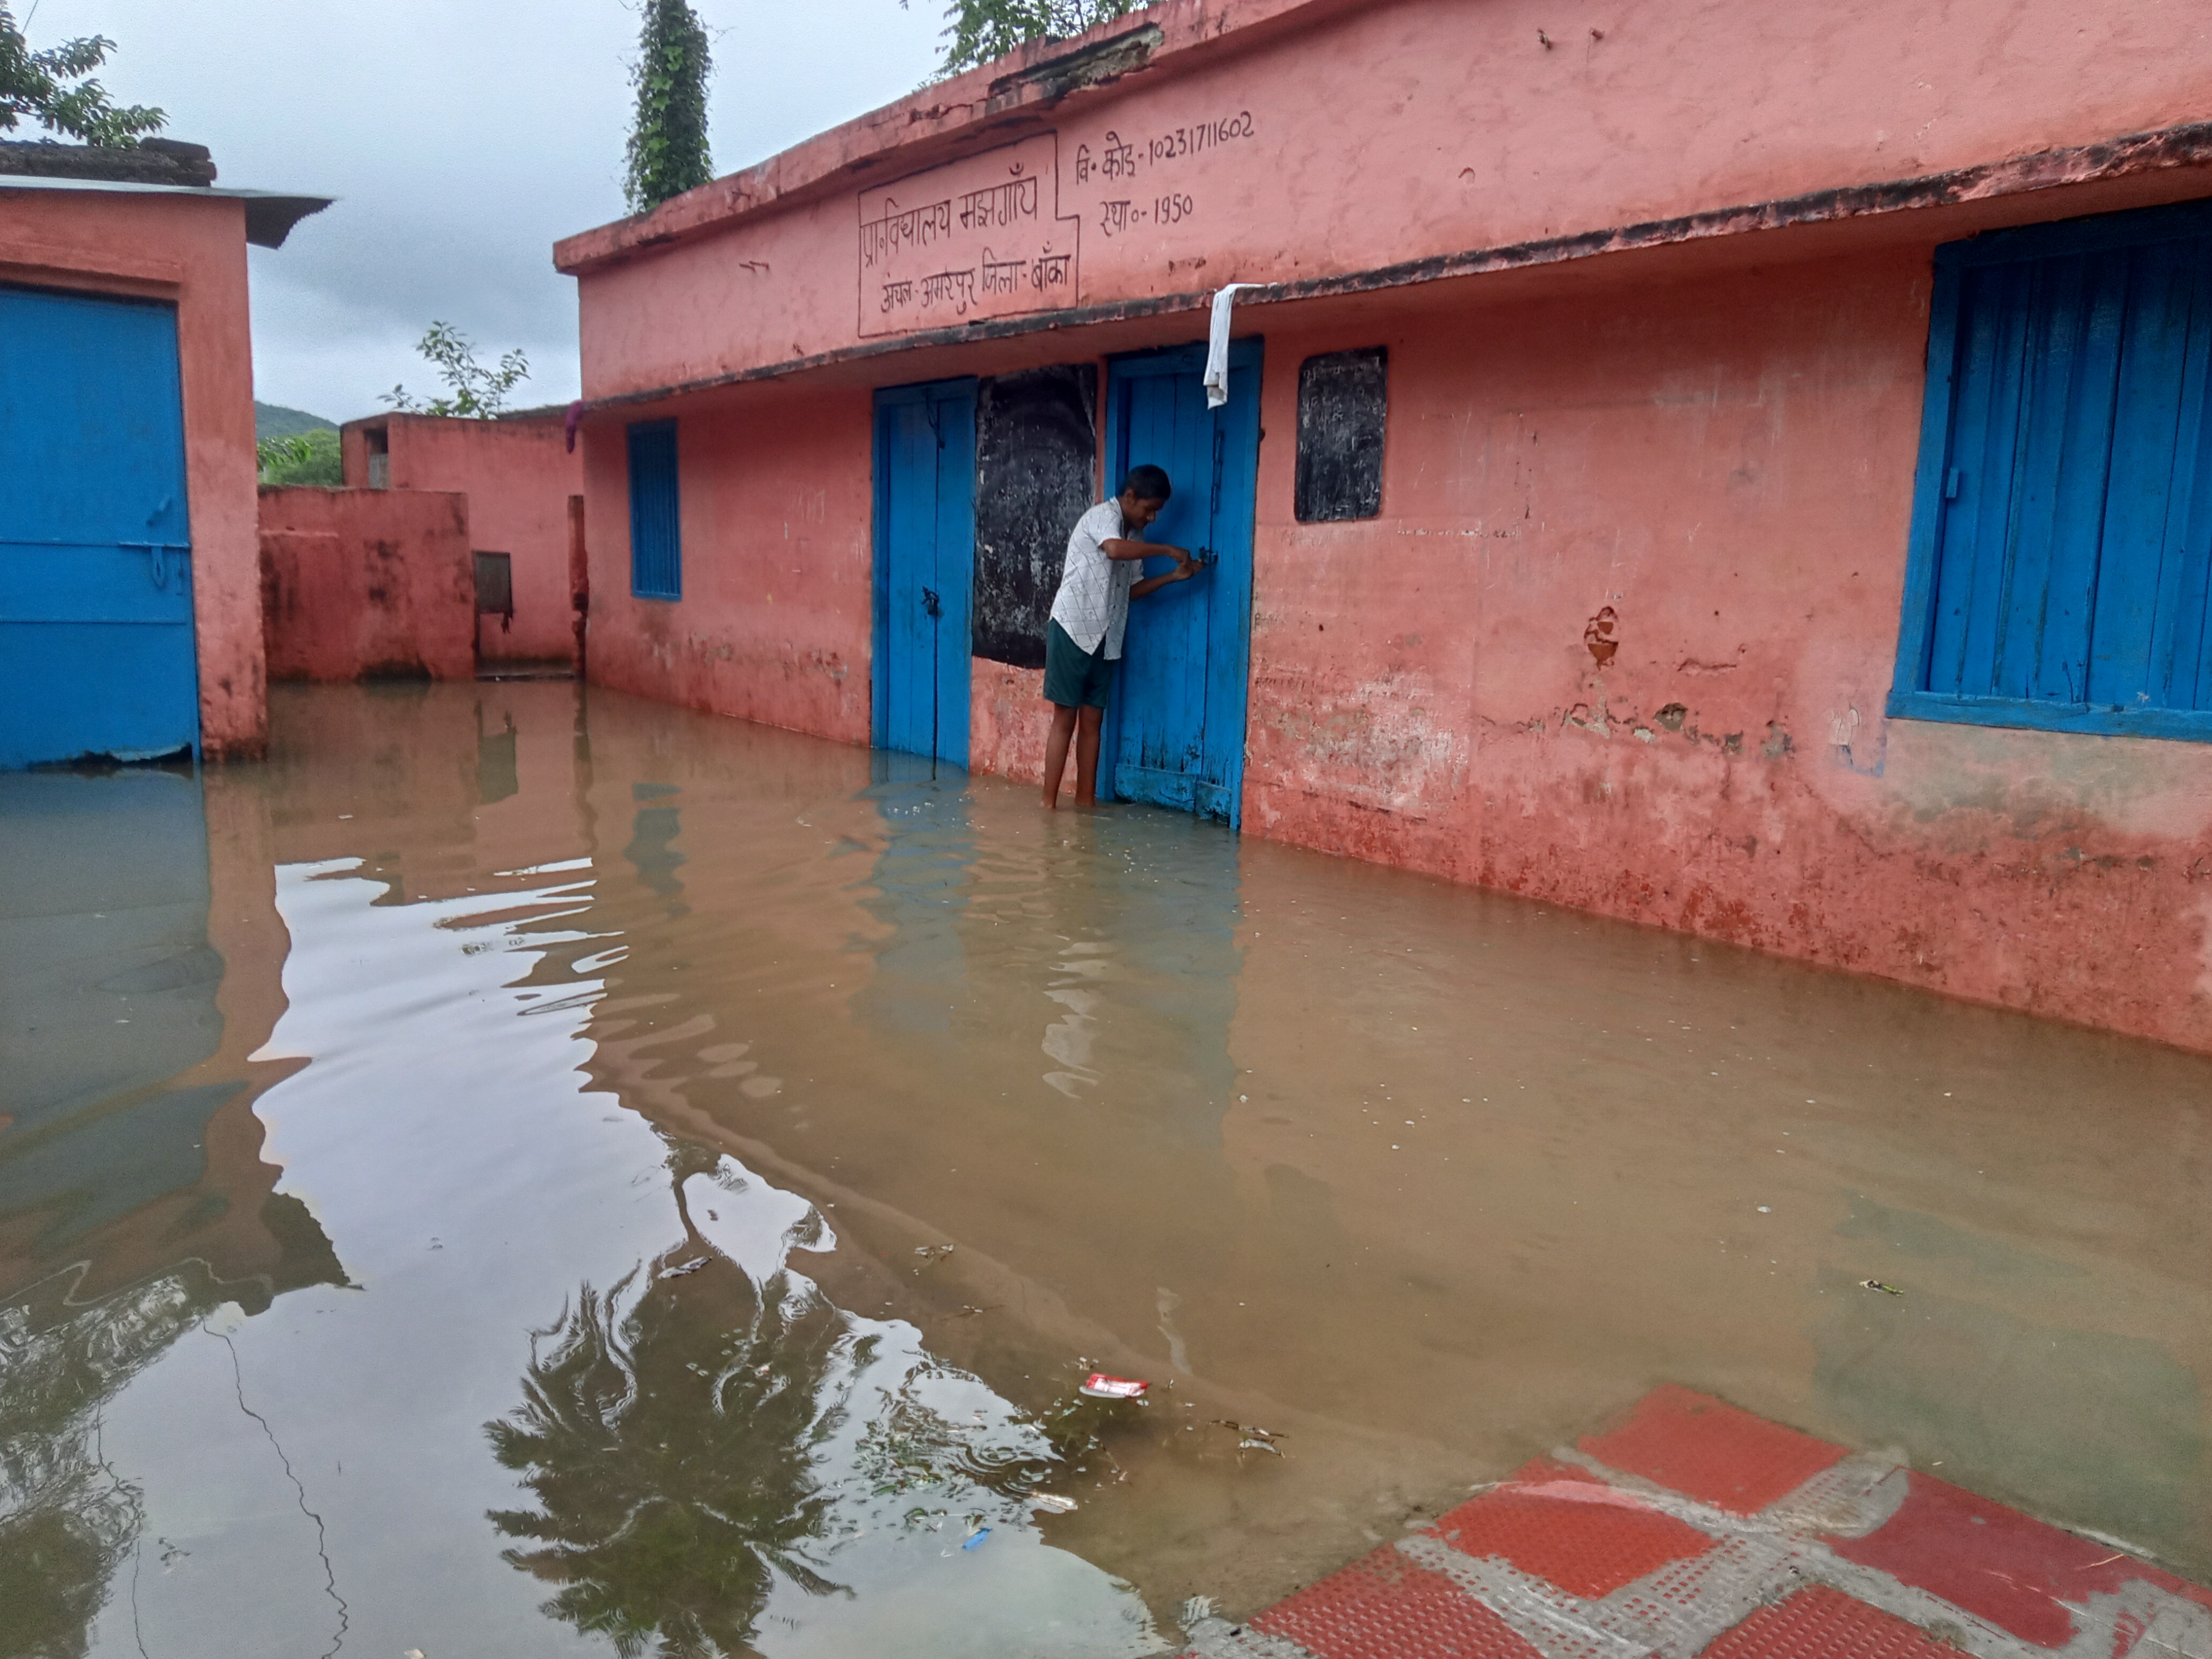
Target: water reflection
{"type": "Point", "coordinates": [628, 1075]}
{"type": "Point", "coordinates": [68, 1520]}
{"type": "Point", "coordinates": [652, 850]}
{"type": "Point", "coordinates": [666, 1435]}
{"type": "Point", "coordinates": [133, 1201]}
{"type": "Point", "coordinates": [710, 1431]}
{"type": "Point", "coordinates": [918, 889]}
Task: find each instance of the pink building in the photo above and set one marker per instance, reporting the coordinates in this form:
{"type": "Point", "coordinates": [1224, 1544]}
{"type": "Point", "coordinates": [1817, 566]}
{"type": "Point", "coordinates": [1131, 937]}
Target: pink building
{"type": "Point", "coordinates": [525, 488]}
{"type": "Point", "coordinates": [129, 589]}
{"type": "Point", "coordinates": [1731, 469]}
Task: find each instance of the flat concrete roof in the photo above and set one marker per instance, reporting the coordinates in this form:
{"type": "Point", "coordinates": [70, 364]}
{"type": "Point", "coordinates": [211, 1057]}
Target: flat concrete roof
{"type": "Point", "coordinates": [270, 215]}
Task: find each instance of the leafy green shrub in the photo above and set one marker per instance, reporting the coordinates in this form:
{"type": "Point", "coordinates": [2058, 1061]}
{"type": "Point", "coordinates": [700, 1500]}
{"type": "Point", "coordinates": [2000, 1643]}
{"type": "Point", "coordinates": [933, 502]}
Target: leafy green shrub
{"type": "Point", "coordinates": [473, 390]}
{"type": "Point", "coordinates": [304, 458]}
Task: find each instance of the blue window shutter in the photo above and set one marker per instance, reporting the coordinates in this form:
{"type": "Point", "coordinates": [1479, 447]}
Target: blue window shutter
{"type": "Point", "coordinates": [2062, 549]}
{"type": "Point", "coordinates": [656, 541]}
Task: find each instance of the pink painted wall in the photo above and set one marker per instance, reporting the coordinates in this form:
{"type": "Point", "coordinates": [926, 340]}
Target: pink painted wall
{"type": "Point", "coordinates": [1278, 142]}
{"type": "Point", "coordinates": [775, 621]}
{"type": "Point", "coordinates": [1726, 465]}
{"type": "Point", "coordinates": [518, 475]}
{"type": "Point", "coordinates": [367, 583]}
{"type": "Point", "coordinates": [189, 250]}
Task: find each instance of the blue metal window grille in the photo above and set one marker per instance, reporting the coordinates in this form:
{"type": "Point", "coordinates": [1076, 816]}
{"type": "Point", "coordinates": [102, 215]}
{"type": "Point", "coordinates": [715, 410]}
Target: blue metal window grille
{"type": "Point", "coordinates": [2061, 520]}
{"type": "Point", "coordinates": [656, 536]}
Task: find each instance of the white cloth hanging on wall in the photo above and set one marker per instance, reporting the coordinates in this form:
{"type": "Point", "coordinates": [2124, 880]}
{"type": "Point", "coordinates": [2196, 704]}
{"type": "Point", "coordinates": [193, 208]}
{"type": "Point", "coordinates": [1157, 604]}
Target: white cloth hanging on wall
{"type": "Point", "coordinates": [1216, 344]}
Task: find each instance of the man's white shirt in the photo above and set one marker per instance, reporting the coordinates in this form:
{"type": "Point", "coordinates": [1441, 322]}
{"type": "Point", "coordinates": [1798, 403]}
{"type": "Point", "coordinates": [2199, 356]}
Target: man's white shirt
{"type": "Point", "coordinates": [1093, 601]}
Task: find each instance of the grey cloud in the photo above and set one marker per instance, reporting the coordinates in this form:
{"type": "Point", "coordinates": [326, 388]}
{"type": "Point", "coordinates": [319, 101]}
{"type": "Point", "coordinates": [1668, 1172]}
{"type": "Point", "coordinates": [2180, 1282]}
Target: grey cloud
{"type": "Point", "coordinates": [463, 139]}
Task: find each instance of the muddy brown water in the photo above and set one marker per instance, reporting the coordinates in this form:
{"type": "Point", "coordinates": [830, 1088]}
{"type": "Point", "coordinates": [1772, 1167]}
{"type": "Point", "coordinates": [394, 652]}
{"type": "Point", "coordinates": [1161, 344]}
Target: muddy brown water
{"type": "Point", "coordinates": [464, 1184]}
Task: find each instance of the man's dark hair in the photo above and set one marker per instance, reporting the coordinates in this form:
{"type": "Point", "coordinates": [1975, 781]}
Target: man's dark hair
{"type": "Point", "coordinates": [1148, 483]}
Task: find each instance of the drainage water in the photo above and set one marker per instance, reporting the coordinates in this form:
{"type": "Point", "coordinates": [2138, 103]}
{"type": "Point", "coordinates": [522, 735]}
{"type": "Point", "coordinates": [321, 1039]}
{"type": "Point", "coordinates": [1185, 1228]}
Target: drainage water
{"type": "Point", "coordinates": [477, 1182]}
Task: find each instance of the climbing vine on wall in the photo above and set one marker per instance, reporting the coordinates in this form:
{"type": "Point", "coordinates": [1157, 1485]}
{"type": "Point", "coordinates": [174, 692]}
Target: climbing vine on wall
{"type": "Point", "coordinates": [668, 152]}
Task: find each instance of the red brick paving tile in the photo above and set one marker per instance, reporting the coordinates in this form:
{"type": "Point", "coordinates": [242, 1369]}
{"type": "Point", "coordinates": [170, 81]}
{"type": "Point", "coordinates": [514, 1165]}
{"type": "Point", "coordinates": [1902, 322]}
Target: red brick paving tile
{"type": "Point", "coordinates": [1693, 1444]}
{"type": "Point", "coordinates": [1563, 1525]}
{"type": "Point", "coordinates": [1826, 1624]}
{"type": "Point", "coordinates": [1996, 1562]}
{"type": "Point", "coordinates": [1384, 1606]}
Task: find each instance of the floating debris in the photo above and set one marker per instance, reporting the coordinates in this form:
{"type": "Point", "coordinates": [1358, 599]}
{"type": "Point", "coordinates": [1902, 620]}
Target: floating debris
{"type": "Point", "coordinates": [1099, 1386]}
{"type": "Point", "coordinates": [1876, 1285]}
{"type": "Point", "coordinates": [1053, 1501]}
{"type": "Point", "coordinates": [970, 1312]}
{"type": "Point", "coordinates": [931, 1254]}
{"type": "Point", "coordinates": [975, 1539]}
{"type": "Point", "coordinates": [687, 1267]}
{"type": "Point", "coordinates": [1251, 1430]}
{"type": "Point", "coordinates": [1252, 1438]}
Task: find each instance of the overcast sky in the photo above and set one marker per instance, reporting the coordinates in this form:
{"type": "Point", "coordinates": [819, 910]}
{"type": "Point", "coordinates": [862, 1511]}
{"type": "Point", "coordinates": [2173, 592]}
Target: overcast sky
{"type": "Point", "coordinates": [461, 138]}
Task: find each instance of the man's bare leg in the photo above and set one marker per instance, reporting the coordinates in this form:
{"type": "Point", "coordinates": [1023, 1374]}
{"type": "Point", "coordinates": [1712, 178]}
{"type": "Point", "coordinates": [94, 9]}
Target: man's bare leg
{"type": "Point", "coordinates": [1055, 752]}
{"type": "Point", "coordinates": [1086, 757]}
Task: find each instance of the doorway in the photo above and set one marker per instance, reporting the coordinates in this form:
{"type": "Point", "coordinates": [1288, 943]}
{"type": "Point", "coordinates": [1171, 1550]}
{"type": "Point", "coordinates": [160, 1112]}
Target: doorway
{"type": "Point", "coordinates": [97, 655]}
{"type": "Point", "coordinates": [1174, 729]}
{"type": "Point", "coordinates": [925, 530]}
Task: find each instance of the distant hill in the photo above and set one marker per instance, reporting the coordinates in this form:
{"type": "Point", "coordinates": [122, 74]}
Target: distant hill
{"type": "Point", "coordinates": [275, 421]}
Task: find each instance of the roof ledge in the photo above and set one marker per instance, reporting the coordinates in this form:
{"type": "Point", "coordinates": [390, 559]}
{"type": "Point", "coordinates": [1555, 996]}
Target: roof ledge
{"type": "Point", "coordinates": [1090, 66]}
{"type": "Point", "coordinates": [1019, 90]}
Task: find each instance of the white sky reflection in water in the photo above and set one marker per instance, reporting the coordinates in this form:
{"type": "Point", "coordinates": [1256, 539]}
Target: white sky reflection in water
{"type": "Point", "coordinates": [473, 1181]}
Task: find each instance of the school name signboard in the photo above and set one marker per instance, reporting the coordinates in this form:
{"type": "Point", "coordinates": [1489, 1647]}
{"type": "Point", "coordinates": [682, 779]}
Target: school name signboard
{"type": "Point", "coordinates": [979, 237]}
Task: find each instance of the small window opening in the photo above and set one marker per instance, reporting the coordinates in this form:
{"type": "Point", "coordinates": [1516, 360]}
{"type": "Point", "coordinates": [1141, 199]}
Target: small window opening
{"type": "Point", "coordinates": [1343, 397]}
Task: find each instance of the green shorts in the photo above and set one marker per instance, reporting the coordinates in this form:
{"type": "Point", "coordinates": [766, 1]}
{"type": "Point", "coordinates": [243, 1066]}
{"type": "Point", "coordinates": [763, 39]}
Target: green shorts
{"type": "Point", "coordinates": [1072, 678]}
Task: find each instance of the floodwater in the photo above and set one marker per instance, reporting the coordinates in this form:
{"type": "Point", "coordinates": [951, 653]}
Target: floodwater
{"type": "Point", "coordinates": [477, 1184]}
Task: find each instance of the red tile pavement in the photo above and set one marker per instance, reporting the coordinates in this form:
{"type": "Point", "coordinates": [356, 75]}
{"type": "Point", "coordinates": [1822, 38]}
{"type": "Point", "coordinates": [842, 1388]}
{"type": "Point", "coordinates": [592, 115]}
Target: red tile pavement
{"type": "Point", "coordinates": [1826, 1624]}
{"type": "Point", "coordinates": [1563, 1525]}
{"type": "Point", "coordinates": [1758, 1543]}
{"type": "Point", "coordinates": [1382, 1606]}
{"type": "Point", "coordinates": [1697, 1446]}
{"type": "Point", "coordinates": [2015, 1572]}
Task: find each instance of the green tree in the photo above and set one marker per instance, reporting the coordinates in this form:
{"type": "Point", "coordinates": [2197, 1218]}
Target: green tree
{"type": "Point", "coordinates": [36, 85]}
{"type": "Point", "coordinates": [980, 30]}
{"type": "Point", "coordinates": [302, 458]}
{"type": "Point", "coordinates": [668, 152]}
{"type": "Point", "coordinates": [471, 389]}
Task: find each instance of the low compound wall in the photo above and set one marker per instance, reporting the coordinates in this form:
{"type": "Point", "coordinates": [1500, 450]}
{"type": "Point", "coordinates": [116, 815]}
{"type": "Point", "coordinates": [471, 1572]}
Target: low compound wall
{"type": "Point", "coordinates": [519, 475]}
{"type": "Point", "coordinates": [367, 583]}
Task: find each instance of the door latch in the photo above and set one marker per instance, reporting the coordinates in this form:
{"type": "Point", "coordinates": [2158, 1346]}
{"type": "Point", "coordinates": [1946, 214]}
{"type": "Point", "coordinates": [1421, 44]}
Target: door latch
{"type": "Point", "coordinates": [930, 606]}
{"type": "Point", "coordinates": [160, 566]}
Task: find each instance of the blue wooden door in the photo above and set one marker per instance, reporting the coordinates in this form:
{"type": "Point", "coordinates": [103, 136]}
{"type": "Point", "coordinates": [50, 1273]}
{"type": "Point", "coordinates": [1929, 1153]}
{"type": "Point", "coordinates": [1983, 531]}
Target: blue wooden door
{"type": "Point", "coordinates": [96, 652]}
{"type": "Point", "coordinates": [925, 567]}
{"type": "Point", "coordinates": [1174, 729]}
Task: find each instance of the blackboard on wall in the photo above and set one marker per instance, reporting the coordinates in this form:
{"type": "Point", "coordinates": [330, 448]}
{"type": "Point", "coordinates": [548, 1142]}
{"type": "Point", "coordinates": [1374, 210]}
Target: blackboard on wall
{"type": "Point", "coordinates": [1343, 397]}
{"type": "Point", "coordinates": [1036, 448]}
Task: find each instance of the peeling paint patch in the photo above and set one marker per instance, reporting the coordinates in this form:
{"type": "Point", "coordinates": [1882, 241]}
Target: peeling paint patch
{"type": "Point", "coordinates": [1376, 745]}
{"type": "Point", "coordinates": [1598, 637]}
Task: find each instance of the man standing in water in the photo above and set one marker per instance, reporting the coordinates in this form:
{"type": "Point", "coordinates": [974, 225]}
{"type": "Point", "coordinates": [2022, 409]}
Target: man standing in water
{"type": "Point", "coordinates": [1083, 641]}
